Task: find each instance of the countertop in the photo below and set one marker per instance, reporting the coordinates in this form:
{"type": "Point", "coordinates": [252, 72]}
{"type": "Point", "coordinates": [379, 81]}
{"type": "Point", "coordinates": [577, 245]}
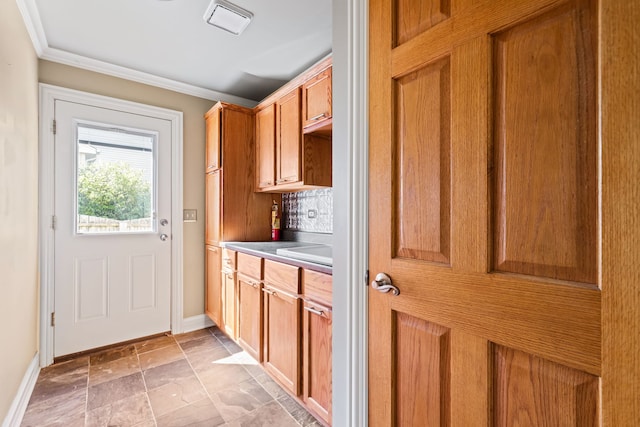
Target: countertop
{"type": "Point", "coordinates": [267, 250]}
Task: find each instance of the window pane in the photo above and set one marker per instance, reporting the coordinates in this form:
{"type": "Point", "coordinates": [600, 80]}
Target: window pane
{"type": "Point", "coordinates": [115, 181]}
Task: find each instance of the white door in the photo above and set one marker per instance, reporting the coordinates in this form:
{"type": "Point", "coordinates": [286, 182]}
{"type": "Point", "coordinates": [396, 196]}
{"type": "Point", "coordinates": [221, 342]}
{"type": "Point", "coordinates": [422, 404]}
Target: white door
{"type": "Point", "coordinates": [113, 230]}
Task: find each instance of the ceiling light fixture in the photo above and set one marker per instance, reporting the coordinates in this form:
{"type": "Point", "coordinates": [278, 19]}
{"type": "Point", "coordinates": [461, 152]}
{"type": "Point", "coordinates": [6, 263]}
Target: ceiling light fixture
{"type": "Point", "coordinates": [227, 16]}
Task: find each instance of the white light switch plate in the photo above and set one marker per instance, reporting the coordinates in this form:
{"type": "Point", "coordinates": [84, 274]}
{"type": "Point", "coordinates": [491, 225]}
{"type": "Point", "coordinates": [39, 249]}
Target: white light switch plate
{"type": "Point", "coordinates": [190, 215]}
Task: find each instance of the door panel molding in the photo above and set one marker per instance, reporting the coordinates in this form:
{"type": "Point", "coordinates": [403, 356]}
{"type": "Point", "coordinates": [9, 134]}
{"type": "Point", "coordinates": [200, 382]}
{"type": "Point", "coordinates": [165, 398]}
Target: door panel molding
{"type": "Point", "coordinates": [48, 95]}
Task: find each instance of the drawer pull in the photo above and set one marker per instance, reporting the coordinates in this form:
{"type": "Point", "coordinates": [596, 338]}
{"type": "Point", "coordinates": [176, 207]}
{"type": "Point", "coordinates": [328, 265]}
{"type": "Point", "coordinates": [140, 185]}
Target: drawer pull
{"type": "Point", "coordinates": [314, 310]}
{"type": "Point", "coordinates": [319, 116]}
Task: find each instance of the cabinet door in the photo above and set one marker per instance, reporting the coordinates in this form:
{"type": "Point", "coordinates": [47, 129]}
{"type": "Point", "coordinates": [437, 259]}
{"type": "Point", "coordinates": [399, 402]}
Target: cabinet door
{"type": "Point", "coordinates": [282, 338]}
{"type": "Point", "coordinates": [316, 100]}
{"type": "Point", "coordinates": [289, 134]}
{"type": "Point", "coordinates": [250, 316]}
{"type": "Point", "coordinates": [317, 359]}
{"type": "Point", "coordinates": [214, 285]}
{"type": "Point", "coordinates": [213, 213]}
{"type": "Point", "coordinates": [212, 124]}
{"type": "Point", "coordinates": [229, 303]}
{"type": "Point", "coordinates": [266, 146]}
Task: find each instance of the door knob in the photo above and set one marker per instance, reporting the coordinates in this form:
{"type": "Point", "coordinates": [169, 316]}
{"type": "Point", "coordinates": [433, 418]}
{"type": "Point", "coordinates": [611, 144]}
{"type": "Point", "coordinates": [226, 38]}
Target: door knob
{"type": "Point", "coordinates": [163, 237]}
{"type": "Point", "coordinates": [382, 283]}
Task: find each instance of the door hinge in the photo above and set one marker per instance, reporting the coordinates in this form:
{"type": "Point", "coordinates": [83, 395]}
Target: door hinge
{"type": "Point", "coordinates": [366, 278]}
{"type": "Point", "coordinates": [53, 222]}
{"type": "Point", "coordinates": [53, 319]}
{"type": "Point", "coordinates": [54, 126]}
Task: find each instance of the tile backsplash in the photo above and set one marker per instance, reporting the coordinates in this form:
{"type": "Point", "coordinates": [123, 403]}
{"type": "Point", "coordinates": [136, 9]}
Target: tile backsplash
{"type": "Point", "coordinates": [310, 211]}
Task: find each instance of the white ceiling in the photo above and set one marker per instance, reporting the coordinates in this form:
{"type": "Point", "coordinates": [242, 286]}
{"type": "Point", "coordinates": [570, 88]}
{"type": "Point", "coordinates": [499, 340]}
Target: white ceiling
{"type": "Point", "coordinates": [168, 42]}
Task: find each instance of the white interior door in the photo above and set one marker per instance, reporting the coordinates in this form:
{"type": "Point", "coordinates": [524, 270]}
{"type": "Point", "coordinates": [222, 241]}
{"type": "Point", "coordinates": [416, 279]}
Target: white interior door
{"type": "Point", "coordinates": [113, 226]}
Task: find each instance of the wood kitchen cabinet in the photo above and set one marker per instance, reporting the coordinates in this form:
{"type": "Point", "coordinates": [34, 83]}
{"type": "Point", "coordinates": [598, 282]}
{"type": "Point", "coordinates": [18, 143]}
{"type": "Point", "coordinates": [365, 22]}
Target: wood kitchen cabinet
{"type": "Point", "coordinates": [229, 293]}
{"type": "Point", "coordinates": [316, 103]}
{"type": "Point", "coordinates": [266, 146]}
{"type": "Point", "coordinates": [316, 337]}
{"type": "Point", "coordinates": [233, 211]}
{"type": "Point", "coordinates": [282, 324]}
{"type": "Point", "coordinates": [212, 185]}
{"type": "Point", "coordinates": [213, 294]}
{"type": "Point", "coordinates": [288, 138]}
{"type": "Point", "coordinates": [213, 131]}
{"type": "Point", "coordinates": [286, 158]}
{"type": "Point", "coordinates": [250, 304]}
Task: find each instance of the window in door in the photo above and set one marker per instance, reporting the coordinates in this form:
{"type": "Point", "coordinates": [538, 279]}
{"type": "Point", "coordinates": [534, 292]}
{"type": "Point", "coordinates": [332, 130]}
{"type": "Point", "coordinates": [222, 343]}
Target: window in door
{"type": "Point", "coordinates": [115, 180]}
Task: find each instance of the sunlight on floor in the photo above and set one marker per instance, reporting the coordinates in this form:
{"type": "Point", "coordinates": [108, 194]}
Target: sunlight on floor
{"type": "Point", "coordinates": [240, 358]}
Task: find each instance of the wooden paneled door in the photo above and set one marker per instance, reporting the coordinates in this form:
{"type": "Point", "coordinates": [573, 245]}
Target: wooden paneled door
{"type": "Point", "coordinates": [484, 213]}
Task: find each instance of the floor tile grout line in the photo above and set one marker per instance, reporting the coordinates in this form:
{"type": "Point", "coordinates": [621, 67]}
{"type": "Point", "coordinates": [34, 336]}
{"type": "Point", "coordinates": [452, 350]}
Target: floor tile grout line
{"type": "Point", "coordinates": [86, 394]}
{"type": "Point", "coordinates": [146, 389]}
{"type": "Point", "coordinates": [186, 357]}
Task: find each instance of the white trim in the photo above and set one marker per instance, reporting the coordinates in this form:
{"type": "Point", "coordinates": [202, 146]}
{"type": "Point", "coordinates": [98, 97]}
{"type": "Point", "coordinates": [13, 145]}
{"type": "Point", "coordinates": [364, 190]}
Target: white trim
{"type": "Point", "coordinates": [33, 23]}
{"type": "Point", "coordinates": [21, 400]}
{"type": "Point", "coordinates": [194, 323]}
{"type": "Point", "coordinates": [48, 95]}
{"type": "Point", "coordinates": [78, 61]}
{"type": "Point", "coordinates": [350, 157]}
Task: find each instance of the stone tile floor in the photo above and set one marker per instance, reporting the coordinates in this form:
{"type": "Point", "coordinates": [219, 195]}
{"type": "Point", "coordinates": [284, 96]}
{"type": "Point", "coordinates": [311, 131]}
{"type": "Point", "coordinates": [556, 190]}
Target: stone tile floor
{"type": "Point", "coordinates": [200, 378]}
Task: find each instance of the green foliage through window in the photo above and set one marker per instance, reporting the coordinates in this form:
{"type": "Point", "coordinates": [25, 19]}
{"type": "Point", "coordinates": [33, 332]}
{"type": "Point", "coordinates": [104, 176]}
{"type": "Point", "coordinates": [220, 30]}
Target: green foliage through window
{"type": "Point", "coordinates": [113, 190]}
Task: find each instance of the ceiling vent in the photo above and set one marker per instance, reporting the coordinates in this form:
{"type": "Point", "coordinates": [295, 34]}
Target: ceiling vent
{"type": "Point", "coordinates": [227, 16]}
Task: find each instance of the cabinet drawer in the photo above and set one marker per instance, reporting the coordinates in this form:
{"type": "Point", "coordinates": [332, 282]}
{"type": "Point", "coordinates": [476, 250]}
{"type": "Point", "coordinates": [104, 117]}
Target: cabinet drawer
{"type": "Point", "coordinates": [283, 276]}
{"type": "Point", "coordinates": [317, 286]}
{"type": "Point", "coordinates": [250, 265]}
{"type": "Point", "coordinates": [228, 259]}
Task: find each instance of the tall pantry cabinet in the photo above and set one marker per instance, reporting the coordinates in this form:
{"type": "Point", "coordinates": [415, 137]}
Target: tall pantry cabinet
{"type": "Point", "coordinates": [234, 212]}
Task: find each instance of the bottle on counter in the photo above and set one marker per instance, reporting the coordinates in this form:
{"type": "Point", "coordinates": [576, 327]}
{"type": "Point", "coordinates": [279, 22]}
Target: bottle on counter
{"type": "Point", "coordinates": [275, 221]}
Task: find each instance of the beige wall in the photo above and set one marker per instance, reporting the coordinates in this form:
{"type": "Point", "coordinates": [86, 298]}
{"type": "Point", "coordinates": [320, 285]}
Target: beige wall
{"type": "Point", "coordinates": [193, 110]}
{"type": "Point", "coordinates": [18, 203]}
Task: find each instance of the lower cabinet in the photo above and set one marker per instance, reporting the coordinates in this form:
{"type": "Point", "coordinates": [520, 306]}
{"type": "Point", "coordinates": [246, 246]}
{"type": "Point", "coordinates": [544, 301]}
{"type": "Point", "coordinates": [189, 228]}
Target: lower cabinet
{"type": "Point", "coordinates": [229, 303]}
{"type": "Point", "coordinates": [282, 325]}
{"type": "Point", "coordinates": [317, 350]}
{"type": "Point", "coordinates": [282, 317]}
{"type": "Point", "coordinates": [250, 316]}
{"type": "Point", "coordinates": [229, 293]}
{"type": "Point", "coordinates": [250, 307]}
{"type": "Point", "coordinates": [213, 297]}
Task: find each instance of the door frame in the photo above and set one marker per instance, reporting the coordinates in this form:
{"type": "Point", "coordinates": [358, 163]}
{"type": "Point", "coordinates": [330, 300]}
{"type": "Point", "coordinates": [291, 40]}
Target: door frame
{"type": "Point", "coordinates": [350, 218]}
{"type": "Point", "coordinates": [48, 95]}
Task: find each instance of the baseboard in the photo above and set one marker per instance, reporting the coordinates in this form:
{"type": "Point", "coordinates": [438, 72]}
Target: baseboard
{"type": "Point", "coordinates": [194, 323]}
{"type": "Point", "coordinates": [20, 402]}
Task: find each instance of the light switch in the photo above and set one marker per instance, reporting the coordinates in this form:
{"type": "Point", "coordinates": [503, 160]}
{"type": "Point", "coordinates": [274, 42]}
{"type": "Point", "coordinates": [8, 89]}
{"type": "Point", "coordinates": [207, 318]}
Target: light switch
{"type": "Point", "coordinates": [190, 215]}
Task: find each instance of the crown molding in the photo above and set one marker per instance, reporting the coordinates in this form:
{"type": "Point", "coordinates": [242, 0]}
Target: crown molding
{"type": "Point", "coordinates": [33, 23]}
{"type": "Point", "coordinates": [31, 17]}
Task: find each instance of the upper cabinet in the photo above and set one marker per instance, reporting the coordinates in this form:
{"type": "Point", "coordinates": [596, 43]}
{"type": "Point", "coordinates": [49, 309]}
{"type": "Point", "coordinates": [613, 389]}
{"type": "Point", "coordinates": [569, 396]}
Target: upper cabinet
{"type": "Point", "coordinates": [288, 137]}
{"type": "Point", "coordinates": [233, 210]}
{"type": "Point", "coordinates": [316, 103]}
{"type": "Point", "coordinates": [213, 129]}
{"type": "Point", "coordinates": [266, 146]}
{"type": "Point", "coordinates": [293, 134]}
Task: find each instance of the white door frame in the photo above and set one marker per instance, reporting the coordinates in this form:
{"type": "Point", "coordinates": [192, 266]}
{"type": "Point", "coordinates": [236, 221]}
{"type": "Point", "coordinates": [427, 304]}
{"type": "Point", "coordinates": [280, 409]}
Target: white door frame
{"type": "Point", "coordinates": [48, 95]}
{"type": "Point", "coordinates": [350, 226]}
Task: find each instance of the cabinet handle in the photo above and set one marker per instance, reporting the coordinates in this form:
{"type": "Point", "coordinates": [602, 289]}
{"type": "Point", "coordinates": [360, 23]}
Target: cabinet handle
{"type": "Point", "coordinates": [319, 116]}
{"type": "Point", "coordinates": [269, 291]}
{"type": "Point", "coordinates": [314, 310]}
{"type": "Point", "coordinates": [281, 181]}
